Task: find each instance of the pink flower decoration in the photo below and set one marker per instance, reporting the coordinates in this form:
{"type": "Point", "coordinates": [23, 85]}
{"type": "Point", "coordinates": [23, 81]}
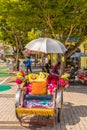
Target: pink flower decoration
{"type": "Point", "coordinates": [49, 78]}
{"type": "Point", "coordinates": [18, 81]}
{"type": "Point", "coordinates": [67, 82]}
{"type": "Point", "coordinates": [29, 88]}
{"type": "Point", "coordinates": [51, 88]}
{"type": "Point", "coordinates": [61, 82]}
{"type": "Point", "coordinates": [54, 81]}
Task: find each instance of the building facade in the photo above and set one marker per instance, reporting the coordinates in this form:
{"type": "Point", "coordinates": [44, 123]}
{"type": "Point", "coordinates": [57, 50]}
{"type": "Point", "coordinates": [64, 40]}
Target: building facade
{"type": "Point", "coordinates": [83, 48]}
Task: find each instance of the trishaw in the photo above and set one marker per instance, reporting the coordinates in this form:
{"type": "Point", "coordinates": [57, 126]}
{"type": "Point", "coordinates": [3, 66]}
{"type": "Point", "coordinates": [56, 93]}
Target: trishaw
{"type": "Point", "coordinates": [41, 108]}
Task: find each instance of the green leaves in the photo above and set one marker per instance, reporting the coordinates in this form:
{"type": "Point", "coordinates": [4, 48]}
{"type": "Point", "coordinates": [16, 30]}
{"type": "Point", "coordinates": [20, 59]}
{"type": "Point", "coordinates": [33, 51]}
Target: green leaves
{"type": "Point", "coordinates": [33, 34]}
{"type": "Point", "coordinates": [66, 18]}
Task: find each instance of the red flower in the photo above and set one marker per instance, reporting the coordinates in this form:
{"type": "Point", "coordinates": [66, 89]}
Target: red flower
{"type": "Point", "coordinates": [18, 81]}
{"type": "Point", "coordinates": [22, 73]}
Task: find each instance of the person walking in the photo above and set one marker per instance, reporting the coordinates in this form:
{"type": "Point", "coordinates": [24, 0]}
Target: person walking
{"type": "Point", "coordinates": [47, 66]}
{"type": "Point", "coordinates": [28, 65]}
{"type": "Point", "coordinates": [56, 68]}
{"type": "Point", "coordinates": [43, 63]}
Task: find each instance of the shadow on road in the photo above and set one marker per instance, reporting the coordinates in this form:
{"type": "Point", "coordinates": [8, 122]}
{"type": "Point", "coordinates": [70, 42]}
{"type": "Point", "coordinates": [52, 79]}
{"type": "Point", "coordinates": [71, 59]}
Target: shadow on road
{"type": "Point", "coordinates": [77, 88]}
{"type": "Point", "coordinates": [71, 116]}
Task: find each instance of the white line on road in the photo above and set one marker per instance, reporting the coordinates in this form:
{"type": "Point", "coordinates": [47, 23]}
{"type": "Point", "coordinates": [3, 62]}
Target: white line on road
{"type": "Point", "coordinates": [4, 80]}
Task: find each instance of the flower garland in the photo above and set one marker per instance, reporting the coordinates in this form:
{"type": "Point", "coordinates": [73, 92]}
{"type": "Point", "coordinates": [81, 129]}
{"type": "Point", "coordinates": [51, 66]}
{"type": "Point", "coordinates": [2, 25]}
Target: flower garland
{"type": "Point", "coordinates": [20, 77]}
{"type": "Point", "coordinates": [64, 81]}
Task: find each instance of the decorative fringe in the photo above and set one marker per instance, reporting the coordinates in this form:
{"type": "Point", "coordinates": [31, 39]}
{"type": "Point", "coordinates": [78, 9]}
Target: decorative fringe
{"type": "Point", "coordinates": [36, 111]}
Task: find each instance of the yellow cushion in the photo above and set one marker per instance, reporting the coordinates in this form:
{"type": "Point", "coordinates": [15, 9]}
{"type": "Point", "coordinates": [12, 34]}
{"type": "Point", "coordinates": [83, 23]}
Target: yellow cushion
{"type": "Point", "coordinates": [42, 76]}
{"type": "Point", "coordinates": [39, 88]}
{"type": "Point", "coordinates": [32, 77]}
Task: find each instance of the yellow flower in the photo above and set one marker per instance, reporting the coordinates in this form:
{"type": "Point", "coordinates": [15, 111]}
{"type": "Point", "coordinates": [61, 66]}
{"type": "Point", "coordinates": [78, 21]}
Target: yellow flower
{"type": "Point", "coordinates": [65, 76]}
{"type": "Point", "coordinates": [19, 74]}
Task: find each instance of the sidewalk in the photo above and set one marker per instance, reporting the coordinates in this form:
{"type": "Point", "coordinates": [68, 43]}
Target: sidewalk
{"type": "Point", "coordinates": [74, 112]}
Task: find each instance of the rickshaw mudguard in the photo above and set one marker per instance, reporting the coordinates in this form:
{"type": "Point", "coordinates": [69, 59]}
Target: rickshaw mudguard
{"type": "Point", "coordinates": [18, 98]}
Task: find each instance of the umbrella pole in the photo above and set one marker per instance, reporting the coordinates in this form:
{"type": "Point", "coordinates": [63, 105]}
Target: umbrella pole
{"type": "Point", "coordinates": [62, 64]}
{"type": "Point", "coordinates": [51, 59]}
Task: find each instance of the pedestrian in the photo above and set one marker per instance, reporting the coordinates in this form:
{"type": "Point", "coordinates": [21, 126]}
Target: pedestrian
{"type": "Point", "coordinates": [47, 66]}
{"type": "Point", "coordinates": [21, 66]}
{"type": "Point", "coordinates": [55, 69]}
{"type": "Point", "coordinates": [43, 63]}
{"type": "Point", "coordinates": [28, 64]}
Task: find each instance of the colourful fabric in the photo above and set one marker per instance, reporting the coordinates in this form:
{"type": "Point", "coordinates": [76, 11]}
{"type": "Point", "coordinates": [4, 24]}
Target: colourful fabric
{"type": "Point", "coordinates": [39, 104]}
{"type": "Point", "coordinates": [37, 97]}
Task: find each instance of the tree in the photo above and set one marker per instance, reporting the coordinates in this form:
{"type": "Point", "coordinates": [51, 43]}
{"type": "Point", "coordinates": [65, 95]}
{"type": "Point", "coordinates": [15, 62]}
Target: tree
{"type": "Point", "coordinates": [64, 20]}
{"type": "Point", "coordinates": [33, 34]}
{"type": "Point", "coordinates": [14, 28]}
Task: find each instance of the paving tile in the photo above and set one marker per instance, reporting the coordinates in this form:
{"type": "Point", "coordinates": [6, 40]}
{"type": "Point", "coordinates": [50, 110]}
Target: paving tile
{"type": "Point", "coordinates": [73, 116]}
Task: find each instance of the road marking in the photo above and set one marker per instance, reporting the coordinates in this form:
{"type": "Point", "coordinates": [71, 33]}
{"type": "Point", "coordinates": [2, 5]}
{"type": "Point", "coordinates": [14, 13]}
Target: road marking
{"type": "Point", "coordinates": [4, 80]}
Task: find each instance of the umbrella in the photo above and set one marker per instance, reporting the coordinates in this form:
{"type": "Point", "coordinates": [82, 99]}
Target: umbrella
{"type": "Point", "coordinates": [78, 54]}
{"type": "Point", "coordinates": [46, 45]}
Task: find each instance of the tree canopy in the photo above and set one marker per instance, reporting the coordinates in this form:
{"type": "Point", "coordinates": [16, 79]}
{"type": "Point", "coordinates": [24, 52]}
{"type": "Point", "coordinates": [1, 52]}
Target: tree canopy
{"type": "Point", "coordinates": [64, 20]}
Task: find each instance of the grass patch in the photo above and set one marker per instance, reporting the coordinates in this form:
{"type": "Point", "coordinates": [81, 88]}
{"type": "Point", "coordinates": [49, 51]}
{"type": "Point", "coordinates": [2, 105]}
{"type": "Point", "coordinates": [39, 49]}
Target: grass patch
{"type": "Point", "coordinates": [4, 74]}
{"type": "Point", "coordinates": [3, 67]}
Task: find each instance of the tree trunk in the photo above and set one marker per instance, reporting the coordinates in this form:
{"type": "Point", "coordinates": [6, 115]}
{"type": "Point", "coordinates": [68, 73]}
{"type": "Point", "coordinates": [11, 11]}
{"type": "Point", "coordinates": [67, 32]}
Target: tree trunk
{"type": "Point", "coordinates": [17, 55]}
